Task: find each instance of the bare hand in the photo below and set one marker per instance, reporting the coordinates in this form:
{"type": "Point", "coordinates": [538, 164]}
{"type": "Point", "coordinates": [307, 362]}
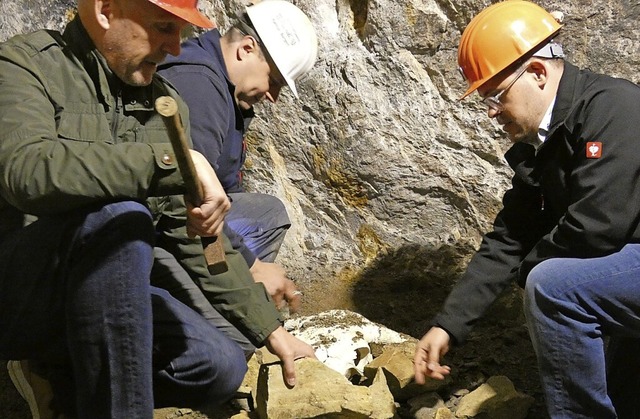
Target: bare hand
{"type": "Point", "coordinates": [426, 362]}
{"type": "Point", "coordinates": [288, 348]}
{"type": "Point", "coordinates": [280, 288]}
{"type": "Point", "coordinates": [207, 219]}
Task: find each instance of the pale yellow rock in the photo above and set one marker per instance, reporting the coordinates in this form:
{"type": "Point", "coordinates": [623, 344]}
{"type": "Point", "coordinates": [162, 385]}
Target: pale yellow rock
{"type": "Point", "coordinates": [497, 399]}
{"type": "Point", "coordinates": [396, 361]}
{"type": "Point", "coordinates": [444, 413]}
{"type": "Point", "coordinates": [320, 391]}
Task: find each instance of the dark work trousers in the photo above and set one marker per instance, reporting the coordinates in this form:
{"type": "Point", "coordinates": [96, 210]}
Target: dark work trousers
{"type": "Point", "coordinates": [75, 292]}
{"type": "Point", "coordinates": [168, 274]}
{"type": "Point", "coordinates": [261, 220]}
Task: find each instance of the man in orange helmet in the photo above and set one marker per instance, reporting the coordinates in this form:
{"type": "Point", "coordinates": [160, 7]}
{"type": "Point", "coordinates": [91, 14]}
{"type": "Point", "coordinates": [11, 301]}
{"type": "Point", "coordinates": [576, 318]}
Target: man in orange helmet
{"type": "Point", "coordinates": [569, 230]}
{"type": "Point", "coordinates": [84, 151]}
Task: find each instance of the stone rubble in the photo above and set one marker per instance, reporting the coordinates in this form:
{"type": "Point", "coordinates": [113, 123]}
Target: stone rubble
{"type": "Point", "coordinates": [386, 383]}
{"type": "Point", "coordinates": [495, 399]}
{"type": "Point", "coordinates": [320, 392]}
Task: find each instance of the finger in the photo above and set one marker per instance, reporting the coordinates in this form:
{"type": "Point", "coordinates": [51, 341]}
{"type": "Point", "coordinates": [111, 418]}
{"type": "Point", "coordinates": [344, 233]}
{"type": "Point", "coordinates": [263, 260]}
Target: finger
{"type": "Point", "coordinates": [438, 371]}
{"type": "Point", "coordinates": [419, 366]}
{"type": "Point", "coordinates": [278, 300]}
{"type": "Point", "coordinates": [289, 371]}
{"type": "Point", "coordinates": [293, 297]}
{"type": "Point", "coordinates": [191, 233]}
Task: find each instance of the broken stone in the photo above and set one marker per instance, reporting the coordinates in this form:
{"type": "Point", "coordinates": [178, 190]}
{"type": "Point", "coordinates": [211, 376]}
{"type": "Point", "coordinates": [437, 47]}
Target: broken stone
{"type": "Point", "coordinates": [495, 399]}
{"type": "Point", "coordinates": [396, 361]}
{"type": "Point", "coordinates": [319, 392]}
{"type": "Point", "coordinates": [444, 413]}
{"type": "Point", "coordinates": [171, 413]}
{"type": "Point", "coordinates": [426, 406]}
{"type": "Point", "coordinates": [341, 339]}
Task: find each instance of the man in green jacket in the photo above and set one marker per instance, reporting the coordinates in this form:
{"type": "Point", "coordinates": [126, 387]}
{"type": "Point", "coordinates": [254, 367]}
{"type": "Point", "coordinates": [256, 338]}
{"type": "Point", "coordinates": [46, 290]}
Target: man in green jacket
{"type": "Point", "coordinates": [88, 174]}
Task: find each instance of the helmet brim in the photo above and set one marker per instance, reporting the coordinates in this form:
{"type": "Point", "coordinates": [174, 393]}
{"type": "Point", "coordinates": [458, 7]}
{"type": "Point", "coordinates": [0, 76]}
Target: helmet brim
{"type": "Point", "coordinates": [191, 15]}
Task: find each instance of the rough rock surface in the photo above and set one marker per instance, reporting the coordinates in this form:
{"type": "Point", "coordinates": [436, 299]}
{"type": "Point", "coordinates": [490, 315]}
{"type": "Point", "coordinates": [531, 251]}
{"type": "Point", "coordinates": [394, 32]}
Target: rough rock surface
{"type": "Point", "coordinates": [320, 392]}
{"type": "Point", "coordinates": [378, 157]}
{"type": "Point", "coordinates": [389, 180]}
{"type": "Point", "coordinates": [495, 399]}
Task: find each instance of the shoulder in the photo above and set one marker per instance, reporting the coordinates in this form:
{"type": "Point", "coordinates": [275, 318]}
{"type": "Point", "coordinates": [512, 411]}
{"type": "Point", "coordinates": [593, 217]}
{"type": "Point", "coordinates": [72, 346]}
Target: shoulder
{"type": "Point", "coordinates": [604, 90]}
{"type": "Point", "coordinates": [32, 44]}
{"type": "Point", "coordinates": [594, 98]}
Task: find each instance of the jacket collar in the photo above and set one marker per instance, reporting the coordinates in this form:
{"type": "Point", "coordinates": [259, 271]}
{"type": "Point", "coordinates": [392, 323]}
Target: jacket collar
{"type": "Point", "coordinates": [210, 42]}
{"type": "Point", "coordinates": [564, 97]}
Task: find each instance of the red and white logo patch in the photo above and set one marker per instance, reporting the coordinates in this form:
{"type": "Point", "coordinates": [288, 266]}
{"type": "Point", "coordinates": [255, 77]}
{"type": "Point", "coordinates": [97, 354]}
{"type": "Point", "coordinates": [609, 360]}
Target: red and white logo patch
{"type": "Point", "coordinates": [594, 150]}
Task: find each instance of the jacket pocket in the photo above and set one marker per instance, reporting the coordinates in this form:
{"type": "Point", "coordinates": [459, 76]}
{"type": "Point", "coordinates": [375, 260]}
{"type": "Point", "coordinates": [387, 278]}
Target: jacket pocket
{"type": "Point", "coordinates": [84, 122]}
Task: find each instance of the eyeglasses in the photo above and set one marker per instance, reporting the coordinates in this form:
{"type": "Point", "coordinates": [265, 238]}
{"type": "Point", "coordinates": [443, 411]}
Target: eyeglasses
{"type": "Point", "coordinates": [493, 102]}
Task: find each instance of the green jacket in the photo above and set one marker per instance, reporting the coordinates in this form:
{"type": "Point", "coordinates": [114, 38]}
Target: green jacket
{"type": "Point", "coordinates": [72, 134]}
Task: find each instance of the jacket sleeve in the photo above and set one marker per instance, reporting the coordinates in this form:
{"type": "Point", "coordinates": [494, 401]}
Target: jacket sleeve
{"type": "Point", "coordinates": [242, 301]}
{"type": "Point", "coordinates": [53, 160]}
{"type": "Point", "coordinates": [494, 266]}
{"type": "Point", "coordinates": [604, 198]}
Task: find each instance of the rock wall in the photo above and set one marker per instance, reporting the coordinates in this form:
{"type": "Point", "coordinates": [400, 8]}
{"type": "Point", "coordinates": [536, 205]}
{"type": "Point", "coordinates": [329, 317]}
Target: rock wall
{"type": "Point", "coordinates": [378, 163]}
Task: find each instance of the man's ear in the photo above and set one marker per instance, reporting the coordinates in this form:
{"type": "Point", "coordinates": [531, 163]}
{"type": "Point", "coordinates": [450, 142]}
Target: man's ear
{"type": "Point", "coordinates": [540, 72]}
{"type": "Point", "coordinates": [103, 13]}
{"type": "Point", "coordinates": [248, 45]}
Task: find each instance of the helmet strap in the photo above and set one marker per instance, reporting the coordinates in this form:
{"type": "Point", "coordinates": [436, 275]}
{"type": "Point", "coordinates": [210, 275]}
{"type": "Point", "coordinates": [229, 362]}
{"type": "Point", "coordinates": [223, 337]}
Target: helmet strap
{"type": "Point", "coordinates": [550, 50]}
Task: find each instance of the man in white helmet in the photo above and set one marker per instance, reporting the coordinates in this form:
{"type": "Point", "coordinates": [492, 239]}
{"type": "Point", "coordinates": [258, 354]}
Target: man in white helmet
{"type": "Point", "coordinates": [221, 78]}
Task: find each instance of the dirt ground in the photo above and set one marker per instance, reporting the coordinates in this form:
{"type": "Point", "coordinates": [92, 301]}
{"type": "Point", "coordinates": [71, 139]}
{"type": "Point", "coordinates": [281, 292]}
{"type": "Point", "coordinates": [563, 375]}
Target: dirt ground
{"type": "Point", "coordinates": [404, 300]}
{"type": "Point", "coordinates": [499, 344]}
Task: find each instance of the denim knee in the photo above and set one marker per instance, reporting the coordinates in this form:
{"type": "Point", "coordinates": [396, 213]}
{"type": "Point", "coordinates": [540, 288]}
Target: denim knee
{"type": "Point", "coordinates": [213, 376]}
{"type": "Point", "coordinates": [533, 279]}
{"type": "Point", "coordinates": [538, 288]}
{"type": "Point", "coordinates": [194, 362]}
{"type": "Point", "coordinates": [124, 220]}
{"type": "Point", "coordinates": [233, 369]}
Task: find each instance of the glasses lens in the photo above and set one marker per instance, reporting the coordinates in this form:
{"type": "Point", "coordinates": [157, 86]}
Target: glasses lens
{"type": "Point", "coordinates": [493, 103]}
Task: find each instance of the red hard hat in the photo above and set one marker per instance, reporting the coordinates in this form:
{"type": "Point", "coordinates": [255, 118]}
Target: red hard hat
{"type": "Point", "coordinates": [185, 9]}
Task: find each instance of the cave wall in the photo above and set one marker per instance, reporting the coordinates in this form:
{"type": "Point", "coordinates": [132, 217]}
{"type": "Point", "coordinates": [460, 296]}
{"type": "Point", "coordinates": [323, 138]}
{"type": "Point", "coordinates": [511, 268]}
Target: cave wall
{"type": "Point", "coordinates": [378, 160]}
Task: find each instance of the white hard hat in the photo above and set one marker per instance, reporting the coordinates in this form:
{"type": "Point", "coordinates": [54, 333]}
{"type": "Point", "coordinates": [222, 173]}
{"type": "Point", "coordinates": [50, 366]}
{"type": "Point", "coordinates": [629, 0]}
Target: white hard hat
{"type": "Point", "coordinates": [288, 36]}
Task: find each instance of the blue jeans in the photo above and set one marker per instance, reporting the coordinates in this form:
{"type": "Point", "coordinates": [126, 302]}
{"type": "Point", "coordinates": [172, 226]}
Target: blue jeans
{"type": "Point", "coordinates": [74, 290]}
{"type": "Point", "coordinates": [573, 307]}
{"type": "Point", "coordinates": [261, 220]}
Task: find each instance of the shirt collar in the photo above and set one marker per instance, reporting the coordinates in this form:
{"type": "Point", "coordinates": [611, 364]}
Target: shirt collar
{"type": "Point", "coordinates": [543, 128]}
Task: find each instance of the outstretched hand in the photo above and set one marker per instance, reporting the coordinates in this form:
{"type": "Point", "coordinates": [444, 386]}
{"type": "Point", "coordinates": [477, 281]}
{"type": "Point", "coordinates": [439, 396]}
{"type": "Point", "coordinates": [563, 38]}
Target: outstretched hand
{"type": "Point", "coordinates": [288, 348]}
{"type": "Point", "coordinates": [426, 362]}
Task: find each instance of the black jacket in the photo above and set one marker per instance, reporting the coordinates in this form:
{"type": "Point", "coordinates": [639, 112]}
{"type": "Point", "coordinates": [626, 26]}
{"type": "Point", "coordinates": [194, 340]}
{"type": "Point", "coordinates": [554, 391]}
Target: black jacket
{"type": "Point", "coordinates": [564, 201]}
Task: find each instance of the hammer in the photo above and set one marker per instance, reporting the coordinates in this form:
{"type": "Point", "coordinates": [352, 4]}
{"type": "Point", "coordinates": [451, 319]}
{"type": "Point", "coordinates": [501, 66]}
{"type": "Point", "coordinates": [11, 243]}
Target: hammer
{"type": "Point", "coordinates": [167, 107]}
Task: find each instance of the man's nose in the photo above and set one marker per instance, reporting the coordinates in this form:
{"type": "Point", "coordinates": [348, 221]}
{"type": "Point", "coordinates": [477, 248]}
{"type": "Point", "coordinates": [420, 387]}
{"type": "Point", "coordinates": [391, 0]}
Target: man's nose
{"type": "Point", "coordinates": [273, 93]}
{"type": "Point", "coordinates": [492, 113]}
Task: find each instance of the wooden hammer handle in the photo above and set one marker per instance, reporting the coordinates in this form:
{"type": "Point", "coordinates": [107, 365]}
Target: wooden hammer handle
{"type": "Point", "coordinates": [167, 107]}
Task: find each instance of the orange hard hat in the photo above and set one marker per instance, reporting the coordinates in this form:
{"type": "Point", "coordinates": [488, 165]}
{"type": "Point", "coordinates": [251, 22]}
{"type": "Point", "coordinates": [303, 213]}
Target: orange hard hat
{"type": "Point", "coordinates": [499, 36]}
{"type": "Point", "coordinates": [186, 10]}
